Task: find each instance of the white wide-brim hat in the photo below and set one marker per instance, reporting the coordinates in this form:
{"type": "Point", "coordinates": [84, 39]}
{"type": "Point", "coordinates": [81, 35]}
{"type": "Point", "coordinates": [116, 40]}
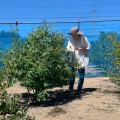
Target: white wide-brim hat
{"type": "Point", "coordinates": [75, 30]}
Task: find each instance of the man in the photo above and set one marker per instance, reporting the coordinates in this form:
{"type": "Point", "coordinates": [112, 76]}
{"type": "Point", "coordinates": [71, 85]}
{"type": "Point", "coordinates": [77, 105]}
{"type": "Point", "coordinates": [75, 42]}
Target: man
{"type": "Point", "coordinates": [79, 46]}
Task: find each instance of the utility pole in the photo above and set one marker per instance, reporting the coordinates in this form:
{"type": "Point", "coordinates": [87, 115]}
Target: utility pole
{"type": "Point", "coordinates": [94, 14]}
{"type": "Point", "coordinates": [16, 31]}
{"type": "Point", "coordinates": [16, 22]}
{"type": "Point", "coordinates": [79, 23]}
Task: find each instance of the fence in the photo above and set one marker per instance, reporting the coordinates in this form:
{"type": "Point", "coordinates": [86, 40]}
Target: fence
{"type": "Point", "coordinates": [91, 30]}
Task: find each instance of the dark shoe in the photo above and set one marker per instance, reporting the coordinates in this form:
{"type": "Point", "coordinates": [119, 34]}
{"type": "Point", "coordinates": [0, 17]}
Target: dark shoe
{"type": "Point", "coordinates": [68, 91]}
{"type": "Point", "coordinates": [77, 92]}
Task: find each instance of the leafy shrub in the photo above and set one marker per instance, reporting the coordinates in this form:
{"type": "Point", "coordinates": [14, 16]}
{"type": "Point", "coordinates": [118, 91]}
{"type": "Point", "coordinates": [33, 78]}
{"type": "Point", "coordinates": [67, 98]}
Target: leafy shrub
{"type": "Point", "coordinates": [115, 54]}
{"type": "Point", "coordinates": [9, 109]}
{"type": "Point", "coordinates": [40, 62]}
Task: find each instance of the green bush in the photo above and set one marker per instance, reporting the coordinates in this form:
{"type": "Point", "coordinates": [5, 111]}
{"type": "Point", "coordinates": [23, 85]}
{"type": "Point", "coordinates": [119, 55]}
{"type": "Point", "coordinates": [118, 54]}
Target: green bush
{"type": "Point", "coordinates": [115, 54]}
{"type": "Point", "coordinates": [40, 63]}
{"type": "Point", "coordinates": [10, 109]}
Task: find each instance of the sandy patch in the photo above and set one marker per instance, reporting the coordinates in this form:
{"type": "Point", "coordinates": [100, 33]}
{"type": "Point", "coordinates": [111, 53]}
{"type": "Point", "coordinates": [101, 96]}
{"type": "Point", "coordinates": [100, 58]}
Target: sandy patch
{"type": "Point", "coordinates": [99, 100]}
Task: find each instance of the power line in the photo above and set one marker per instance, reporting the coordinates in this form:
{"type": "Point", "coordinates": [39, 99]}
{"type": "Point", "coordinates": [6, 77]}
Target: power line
{"type": "Point", "coordinates": [63, 6]}
{"type": "Point", "coordinates": [85, 21]}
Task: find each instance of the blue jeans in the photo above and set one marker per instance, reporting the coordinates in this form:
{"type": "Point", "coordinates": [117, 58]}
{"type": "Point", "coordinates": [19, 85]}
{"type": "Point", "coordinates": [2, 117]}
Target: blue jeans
{"type": "Point", "coordinates": [81, 74]}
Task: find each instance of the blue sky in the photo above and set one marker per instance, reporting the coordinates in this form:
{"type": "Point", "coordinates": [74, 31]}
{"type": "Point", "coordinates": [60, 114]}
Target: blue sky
{"type": "Point", "coordinates": [62, 11]}
{"type": "Point", "coordinates": [58, 10]}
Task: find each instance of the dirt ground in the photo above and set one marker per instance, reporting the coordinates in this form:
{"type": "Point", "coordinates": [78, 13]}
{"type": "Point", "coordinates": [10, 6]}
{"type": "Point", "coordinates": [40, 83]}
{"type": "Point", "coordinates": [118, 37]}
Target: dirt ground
{"type": "Point", "coordinates": [99, 100]}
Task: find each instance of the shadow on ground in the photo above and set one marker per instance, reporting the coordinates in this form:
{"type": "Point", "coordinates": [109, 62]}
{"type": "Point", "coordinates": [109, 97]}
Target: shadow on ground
{"type": "Point", "coordinates": [60, 97]}
{"type": "Point", "coordinates": [85, 90]}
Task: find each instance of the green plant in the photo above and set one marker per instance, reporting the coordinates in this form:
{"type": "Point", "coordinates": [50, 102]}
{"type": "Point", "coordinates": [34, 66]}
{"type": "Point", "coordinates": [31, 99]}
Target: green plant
{"type": "Point", "coordinates": [40, 63]}
{"type": "Point", "coordinates": [10, 109]}
{"type": "Point", "coordinates": [99, 52]}
{"type": "Point", "coordinates": [115, 54]}
{"type": "Point", "coordinates": [10, 106]}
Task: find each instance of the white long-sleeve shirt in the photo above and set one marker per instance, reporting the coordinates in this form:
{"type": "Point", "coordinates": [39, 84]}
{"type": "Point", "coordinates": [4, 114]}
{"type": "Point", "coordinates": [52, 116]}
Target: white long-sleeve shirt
{"type": "Point", "coordinates": [81, 56]}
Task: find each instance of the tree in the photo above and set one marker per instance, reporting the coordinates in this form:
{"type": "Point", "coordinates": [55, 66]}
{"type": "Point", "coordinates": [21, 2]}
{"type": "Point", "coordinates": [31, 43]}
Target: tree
{"type": "Point", "coordinates": [40, 63]}
{"type": "Point", "coordinates": [99, 52]}
{"type": "Point", "coordinates": [9, 34]}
